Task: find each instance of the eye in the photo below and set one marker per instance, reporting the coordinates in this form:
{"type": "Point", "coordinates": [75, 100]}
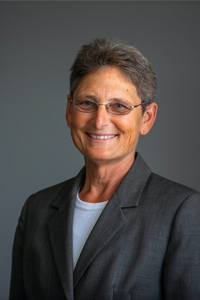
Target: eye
{"type": "Point", "coordinates": [119, 106]}
{"type": "Point", "coordinates": [87, 103]}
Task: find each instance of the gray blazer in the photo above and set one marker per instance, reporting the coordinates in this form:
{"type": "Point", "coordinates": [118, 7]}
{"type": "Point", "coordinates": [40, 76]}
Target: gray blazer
{"type": "Point", "coordinates": [145, 245]}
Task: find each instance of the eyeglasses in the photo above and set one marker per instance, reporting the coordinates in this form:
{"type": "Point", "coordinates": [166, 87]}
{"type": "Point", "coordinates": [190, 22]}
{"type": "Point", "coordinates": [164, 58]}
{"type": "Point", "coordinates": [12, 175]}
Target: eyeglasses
{"type": "Point", "coordinates": [114, 108]}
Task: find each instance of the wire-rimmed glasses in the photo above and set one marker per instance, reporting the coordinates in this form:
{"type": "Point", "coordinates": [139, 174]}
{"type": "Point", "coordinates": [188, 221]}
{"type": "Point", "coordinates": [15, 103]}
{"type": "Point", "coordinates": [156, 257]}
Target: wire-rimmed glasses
{"type": "Point", "coordinates": [115, 108]}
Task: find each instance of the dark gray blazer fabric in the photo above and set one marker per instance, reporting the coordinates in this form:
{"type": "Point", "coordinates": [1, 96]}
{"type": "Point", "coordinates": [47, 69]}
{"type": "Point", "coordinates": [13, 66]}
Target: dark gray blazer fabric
{"type": "Point", "coordinates": [144, 246]}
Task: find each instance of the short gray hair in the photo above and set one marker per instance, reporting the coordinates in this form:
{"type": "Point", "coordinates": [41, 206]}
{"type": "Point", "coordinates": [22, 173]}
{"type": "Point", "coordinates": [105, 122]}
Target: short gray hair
{"type": "Point", "coordinates": [102, 52]}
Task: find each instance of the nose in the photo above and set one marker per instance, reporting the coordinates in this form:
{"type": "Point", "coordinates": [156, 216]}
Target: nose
{"type": "Point", "coordinates": [102, 117]}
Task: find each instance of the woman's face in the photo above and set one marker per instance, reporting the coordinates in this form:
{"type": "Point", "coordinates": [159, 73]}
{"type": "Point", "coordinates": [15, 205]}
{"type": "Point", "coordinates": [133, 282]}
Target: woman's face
{"type": "Point", "coordinates": [100, 136]}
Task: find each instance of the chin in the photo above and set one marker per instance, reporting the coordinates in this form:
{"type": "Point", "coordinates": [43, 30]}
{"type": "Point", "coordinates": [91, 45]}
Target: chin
{"type": "Point", "coordinates": [98, 157]}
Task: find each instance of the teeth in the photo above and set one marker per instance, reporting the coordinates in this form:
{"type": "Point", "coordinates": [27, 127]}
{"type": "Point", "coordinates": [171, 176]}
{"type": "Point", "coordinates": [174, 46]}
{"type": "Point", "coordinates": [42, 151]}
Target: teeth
{"type": "Point", "coordinates": [101, 137]}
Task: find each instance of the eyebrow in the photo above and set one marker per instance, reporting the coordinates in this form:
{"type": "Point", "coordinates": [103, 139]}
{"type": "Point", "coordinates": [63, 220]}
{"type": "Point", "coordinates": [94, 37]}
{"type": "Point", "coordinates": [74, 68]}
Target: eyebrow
{"type": "Point", "coordinates": [94, 98]}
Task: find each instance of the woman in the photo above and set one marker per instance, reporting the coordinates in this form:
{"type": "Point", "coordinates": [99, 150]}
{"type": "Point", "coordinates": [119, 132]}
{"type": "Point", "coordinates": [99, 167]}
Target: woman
{"type": "Point", "coordinates": [116, 230]}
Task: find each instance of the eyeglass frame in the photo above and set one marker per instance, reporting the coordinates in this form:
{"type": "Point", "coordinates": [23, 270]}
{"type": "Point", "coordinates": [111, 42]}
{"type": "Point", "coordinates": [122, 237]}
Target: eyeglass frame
{"type": "Point", "coordinates": [107, 109]}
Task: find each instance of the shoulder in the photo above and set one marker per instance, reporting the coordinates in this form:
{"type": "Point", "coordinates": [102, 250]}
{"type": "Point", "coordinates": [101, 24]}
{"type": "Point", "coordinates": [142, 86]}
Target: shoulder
{"type": "Point", "coordinates": [164, 185]}
{"type": "Point", "coordinates": [43, 199]}
{"type": "Point", "coordinates": [46, 200]}
{"type": "Point", "coordinates": [51, 191]}
{"type": "Point", "coordinates": [169, 193]}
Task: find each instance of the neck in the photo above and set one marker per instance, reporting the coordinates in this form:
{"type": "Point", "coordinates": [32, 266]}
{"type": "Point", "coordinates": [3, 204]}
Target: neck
{"type": "Point", "coordinates": [102, 179]}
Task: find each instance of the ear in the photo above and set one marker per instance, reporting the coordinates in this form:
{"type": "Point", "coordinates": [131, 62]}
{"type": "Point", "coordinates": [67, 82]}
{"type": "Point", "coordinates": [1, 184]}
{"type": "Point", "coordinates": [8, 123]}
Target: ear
{"type": "Point", "coordinates": [148, 118]}
{"type": "Point", "coordinates": [68, 111]}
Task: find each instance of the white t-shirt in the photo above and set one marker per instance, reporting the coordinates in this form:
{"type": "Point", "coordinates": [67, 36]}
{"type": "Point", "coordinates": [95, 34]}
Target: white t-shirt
{"type": "Point", "coordinates": [85, 216]}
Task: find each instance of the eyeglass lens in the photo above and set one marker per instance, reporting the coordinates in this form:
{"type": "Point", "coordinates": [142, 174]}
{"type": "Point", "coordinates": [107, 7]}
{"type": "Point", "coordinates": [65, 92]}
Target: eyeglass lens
{"type": "Point", "coordinates": [113, 108]}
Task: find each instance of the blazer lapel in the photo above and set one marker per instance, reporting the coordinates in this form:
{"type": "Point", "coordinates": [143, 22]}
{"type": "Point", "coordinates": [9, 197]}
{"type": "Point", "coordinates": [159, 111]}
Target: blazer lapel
{"type": "Point", "coordinates": [112, 218]}
{"type": "Point", "coordinates": [60, 230]}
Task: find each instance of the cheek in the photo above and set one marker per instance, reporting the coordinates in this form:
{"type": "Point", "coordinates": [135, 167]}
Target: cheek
{"type": "Point", "coordinates": [78, 119]}
{"type": "Point", "coordinates": [130, 132]}
{"type": "Point", "coordinates": [77, 139]}
{"type": "Point", "coordinates": [130, 139]}
{"type": "Point", "coordinates": [68, 118]}
{"type": "Point", "coordinates": [77, 132]}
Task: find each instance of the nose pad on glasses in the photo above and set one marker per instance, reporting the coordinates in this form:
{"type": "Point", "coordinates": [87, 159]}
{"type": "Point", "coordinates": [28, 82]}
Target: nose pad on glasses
{"type": "Point", "coordinates": [106, 106]}
{"type": "Point", "coordinates": [102, 117]}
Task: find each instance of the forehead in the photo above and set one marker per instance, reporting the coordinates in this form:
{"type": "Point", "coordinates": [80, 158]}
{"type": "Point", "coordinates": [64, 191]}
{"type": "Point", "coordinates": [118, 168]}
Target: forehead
{"type": "Point", "coordinates": [107, 82]}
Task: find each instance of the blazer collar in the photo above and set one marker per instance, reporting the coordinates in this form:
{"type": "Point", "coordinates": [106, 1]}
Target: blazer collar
{"type": "Point", "coordinates": [70, 190]}
{"type": "Point", "coordinates": [131, 187]}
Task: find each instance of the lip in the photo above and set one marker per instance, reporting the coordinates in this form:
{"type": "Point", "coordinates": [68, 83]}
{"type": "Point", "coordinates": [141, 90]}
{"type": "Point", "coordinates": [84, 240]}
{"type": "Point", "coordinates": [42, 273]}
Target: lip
{"type": "Point", "coordinates": [101, 136]}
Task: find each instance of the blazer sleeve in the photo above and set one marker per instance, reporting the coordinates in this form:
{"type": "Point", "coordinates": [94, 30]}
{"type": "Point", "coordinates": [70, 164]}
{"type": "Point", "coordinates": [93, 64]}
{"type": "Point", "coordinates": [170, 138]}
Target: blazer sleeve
{"type": "Point", "coordinates": [17, 291]}
{"type": "Point", "coordinates": [181, 269]}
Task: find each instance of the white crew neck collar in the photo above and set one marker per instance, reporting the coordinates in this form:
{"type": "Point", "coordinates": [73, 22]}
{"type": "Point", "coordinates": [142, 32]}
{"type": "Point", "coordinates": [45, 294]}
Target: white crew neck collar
{"type": "Point", "coordinates": [89, 206]}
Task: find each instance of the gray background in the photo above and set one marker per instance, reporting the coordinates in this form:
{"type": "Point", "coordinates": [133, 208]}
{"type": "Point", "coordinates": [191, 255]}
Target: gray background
{"type": "Point", "coordinates": [39, 41]}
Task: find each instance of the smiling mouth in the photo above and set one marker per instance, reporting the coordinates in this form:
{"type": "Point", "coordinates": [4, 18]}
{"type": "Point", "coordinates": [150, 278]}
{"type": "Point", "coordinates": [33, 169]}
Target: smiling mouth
{"type": "Point", "coordinates": [101, 137]}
